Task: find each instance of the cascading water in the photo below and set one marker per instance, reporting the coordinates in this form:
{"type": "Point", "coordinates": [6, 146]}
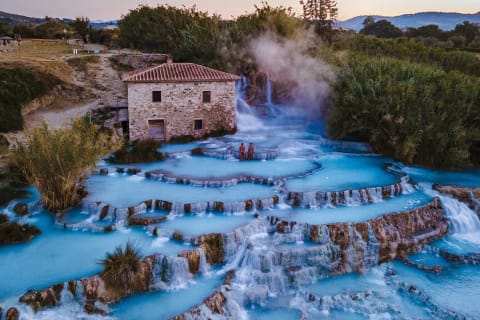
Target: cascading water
{"type": "Point", "coordinates": [465, 224]}
{"type": "Point", "coordinates": [276, 248]}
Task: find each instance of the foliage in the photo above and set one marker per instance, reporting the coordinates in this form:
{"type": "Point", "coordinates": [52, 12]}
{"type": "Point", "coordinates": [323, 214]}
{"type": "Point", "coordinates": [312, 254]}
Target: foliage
{"type": "Point", "coordinates": [323, 13]}
{"type": "Point", "coordinates": [82, 26]}
{"type": "Point", "coordinates": [188, 34]}
{"type": "Point", "coordinates": [13, 233]}
{"type": "Point", "coordinates": [381, 29]}
{"type": "Point", "coordinates": [121, 270]}
{"type": "Point", "coordinates": [414, 51]}
{"type": "Point", "coordinates": [468, 30]}
{"type": "Point", "coordinates": [7, 194]}
{"type": "Point", "coordinates": [138, 151]}
{"type": "Point", "coordinates": [428, 31]}
{"type": "Point", "coordinates": [54, 160]}
{"type": "Point", "coordinates": [194, 36]}
{"type": "Point", "coordinates": [51, 29]}
{"type": "Point", "coordinates": [4, 29]}
{"type": "Point", "coordinates": [20, 85]}
{"type": "Point", "coordinates": [24, 30]}
{"type": "Point", "coordinates": [415, 113]}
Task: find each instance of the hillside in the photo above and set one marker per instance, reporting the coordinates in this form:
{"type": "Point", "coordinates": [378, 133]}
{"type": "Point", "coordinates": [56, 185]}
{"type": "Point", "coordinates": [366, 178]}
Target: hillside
{"type": "Point", "coordinates": [16, 19]}
{"type": "Point", "coordinates": [444, 20]}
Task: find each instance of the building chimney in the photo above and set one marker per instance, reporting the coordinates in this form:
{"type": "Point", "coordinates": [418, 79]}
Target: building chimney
{"type": "Point", "coordinates": [169, 59]}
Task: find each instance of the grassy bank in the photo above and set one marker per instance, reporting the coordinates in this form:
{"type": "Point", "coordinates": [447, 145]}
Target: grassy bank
{"type": "Point", "coordinates": [18, 86]}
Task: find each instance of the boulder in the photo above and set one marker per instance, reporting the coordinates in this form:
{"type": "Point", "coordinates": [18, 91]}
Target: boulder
{"type": "Point", "coordinates": [193, 257]}
{"type": "Point", "coordinates": [213, 246]}
{"type": "Point", "coordinates": [20, 209]}
{"type": "Point", "coordinates": [41, 299]}
{"type": "Point", "coordinates": [216, 302]}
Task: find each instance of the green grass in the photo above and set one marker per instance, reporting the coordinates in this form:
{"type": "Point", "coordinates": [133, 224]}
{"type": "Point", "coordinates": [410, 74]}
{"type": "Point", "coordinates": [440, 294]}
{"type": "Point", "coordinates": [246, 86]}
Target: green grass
{"type": "Point", "coordinates": [18, 86]}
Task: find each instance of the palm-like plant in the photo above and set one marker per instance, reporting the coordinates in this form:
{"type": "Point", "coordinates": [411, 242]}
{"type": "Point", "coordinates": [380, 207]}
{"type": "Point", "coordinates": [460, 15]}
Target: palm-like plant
{"type": "Point", "coordinates": [122, 270]}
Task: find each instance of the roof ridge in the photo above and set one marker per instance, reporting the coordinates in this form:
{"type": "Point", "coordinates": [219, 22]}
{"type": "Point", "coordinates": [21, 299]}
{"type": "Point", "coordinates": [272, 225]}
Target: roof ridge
{"type": "Point", "coordinates": [178, 72]}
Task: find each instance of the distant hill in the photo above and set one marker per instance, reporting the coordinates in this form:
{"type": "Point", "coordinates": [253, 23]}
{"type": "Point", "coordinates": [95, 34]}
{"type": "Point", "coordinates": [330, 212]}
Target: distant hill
{"type": "Point", "coordinates": [444, 20]}
{"type": "Point", "coordinates": [15, 19]}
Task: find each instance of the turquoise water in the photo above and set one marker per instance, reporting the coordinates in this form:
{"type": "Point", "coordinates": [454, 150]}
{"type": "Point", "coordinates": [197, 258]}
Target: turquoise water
{"type": "Point", "coordinates": [207, 167]}
{"type": "Point", "coordinates": [164, 305]}
{"type": "Point", "coordinates": [192, 225]}
{"type": "Point", "coordinates": [455, 288]}
{"type": "Point", "coordinates": [352, 213]}
{"type": "Point", "coordinates": [345, 172]}
{"type": "Point", "coordinates": [122, 190]}
{"type": "Point", "coordinates": [305, 161]}
{"type": "Point", "coordinates": [59, 255]}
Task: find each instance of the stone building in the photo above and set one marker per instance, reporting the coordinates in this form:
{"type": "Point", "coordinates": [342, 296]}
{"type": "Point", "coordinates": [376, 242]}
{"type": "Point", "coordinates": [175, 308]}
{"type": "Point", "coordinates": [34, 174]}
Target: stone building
{"type": "Point", "coordinates": [180, 99]}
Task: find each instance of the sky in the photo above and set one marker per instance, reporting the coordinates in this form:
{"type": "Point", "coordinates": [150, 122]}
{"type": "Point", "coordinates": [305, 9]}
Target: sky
{"type": "Point", "coordinates": [114, 9]}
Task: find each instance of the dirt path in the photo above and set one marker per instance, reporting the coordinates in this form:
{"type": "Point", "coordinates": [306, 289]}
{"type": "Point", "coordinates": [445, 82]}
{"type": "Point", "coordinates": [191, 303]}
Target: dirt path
{"type": "Point", "coordinates": [104, 87]}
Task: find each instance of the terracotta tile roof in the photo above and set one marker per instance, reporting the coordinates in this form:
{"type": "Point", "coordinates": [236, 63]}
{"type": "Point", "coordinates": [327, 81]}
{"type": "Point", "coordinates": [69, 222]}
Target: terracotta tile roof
{"type": "Point", "coordinates": [178, 72]}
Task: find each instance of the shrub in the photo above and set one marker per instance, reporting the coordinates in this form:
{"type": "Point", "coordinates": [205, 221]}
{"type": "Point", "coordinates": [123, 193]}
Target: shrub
{"type": "Point", "coordinates": [54, 160]}
{"type": "Point", "coordinates": [7, 194]}
{"type": "Point", "coordinates": [414, 113]}
{"type": "Point", "coordinates": [122, 270]}
{"type": "Point", "coordinates": [13, 233]}
{"type": "Point", "coordinates": [20, 85]}
{"type": "Point", "coordinates": [414, 51]}
{"type": "Point", "coordinates": [138, 151]}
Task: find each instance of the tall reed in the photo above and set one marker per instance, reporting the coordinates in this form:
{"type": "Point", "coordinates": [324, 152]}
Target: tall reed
{"type": "Point", "coordinates": [55, 160]}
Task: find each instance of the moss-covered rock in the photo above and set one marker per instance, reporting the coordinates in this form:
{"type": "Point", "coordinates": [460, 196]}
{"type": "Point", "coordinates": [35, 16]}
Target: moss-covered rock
{"type": "Point", "coordinates": [13, 233]}
{"type": "Point", "coordinates": [138, 151]}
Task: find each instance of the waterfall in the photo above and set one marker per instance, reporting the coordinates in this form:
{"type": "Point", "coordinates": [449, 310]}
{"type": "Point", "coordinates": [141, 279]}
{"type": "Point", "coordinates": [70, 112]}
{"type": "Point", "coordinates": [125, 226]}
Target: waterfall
{"type": "Point", "coordinates": [169, 272]}
{"type": "Point", "coordinates": [465, 224]}
{"type": "Point", "coordinates": [268, 91]}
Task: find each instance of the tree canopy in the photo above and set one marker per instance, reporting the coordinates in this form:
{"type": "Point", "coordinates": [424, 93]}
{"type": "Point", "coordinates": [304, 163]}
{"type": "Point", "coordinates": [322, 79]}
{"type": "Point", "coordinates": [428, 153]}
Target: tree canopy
{"type": "Point", "coordinates": [381, 29]}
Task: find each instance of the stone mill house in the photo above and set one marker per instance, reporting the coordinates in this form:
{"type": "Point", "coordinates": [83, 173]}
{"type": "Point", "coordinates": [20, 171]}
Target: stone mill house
{"type": "Point", "coordinates": [179, 99]}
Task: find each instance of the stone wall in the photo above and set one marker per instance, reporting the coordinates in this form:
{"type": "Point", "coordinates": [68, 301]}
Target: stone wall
{"type": "Point", "coordinates": [181, 105]}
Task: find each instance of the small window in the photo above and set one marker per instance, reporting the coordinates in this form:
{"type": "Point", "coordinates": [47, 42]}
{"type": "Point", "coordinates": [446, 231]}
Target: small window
{"type": "Point", "coordinates": [157, 96]}
{"type": "Point", "coordinates": [198, 125]}
{"type": "Point", "coordinates": [206, 96]}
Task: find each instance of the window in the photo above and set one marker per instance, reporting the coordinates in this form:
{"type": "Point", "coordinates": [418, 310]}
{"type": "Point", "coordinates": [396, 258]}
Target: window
{"type": "Point", "coordinates": [157, 96]}
{"type": "Point", "coordinates": [206, 96]}
{"type": "Point", "coordinates": [198, 125]}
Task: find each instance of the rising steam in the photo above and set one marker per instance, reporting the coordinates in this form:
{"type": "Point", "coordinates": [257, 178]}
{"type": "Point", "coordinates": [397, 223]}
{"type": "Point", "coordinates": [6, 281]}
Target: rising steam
{"type": "Point", "coordinates": [291, 67]}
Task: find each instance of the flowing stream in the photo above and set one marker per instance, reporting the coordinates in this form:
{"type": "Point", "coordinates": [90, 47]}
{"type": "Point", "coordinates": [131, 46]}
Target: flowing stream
{"type": "Point", "coordinates": [297, 176]}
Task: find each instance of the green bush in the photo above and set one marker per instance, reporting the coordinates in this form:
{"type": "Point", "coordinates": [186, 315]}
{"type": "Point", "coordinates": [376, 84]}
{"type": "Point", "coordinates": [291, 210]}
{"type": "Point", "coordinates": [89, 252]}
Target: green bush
{"type": "Point", "coordinates": [20, 85]}
{"type": "Point", "coordinates": [8, 194]}
{"type": "Point", "coordinates": [414, 113]}
{"type": "Point", "coordinates": [13, 233]}
{"type": "Point", "coordinates": [138, 151]}
{"type": "Point", "coordinates": [122, 270]}
{"type": "Point", "coordinates": [414, 51]}
{"type": "Point", "coordinates": [55, 160]}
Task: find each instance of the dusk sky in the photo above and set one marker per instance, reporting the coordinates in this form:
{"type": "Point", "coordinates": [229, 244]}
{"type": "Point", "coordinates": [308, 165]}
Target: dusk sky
{"type": "Point", "coordinates": [114, 9]}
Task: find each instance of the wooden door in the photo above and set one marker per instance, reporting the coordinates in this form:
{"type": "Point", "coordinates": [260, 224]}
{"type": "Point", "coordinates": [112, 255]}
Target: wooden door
{"type": "Point", "coordinates": [156, 129]}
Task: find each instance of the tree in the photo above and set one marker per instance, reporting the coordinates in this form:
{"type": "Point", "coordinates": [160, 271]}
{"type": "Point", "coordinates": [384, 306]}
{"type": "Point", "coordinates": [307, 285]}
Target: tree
{"type": "Point", "coordinates": [82, 26]}
{"type": "Point", "coordinates": [4, 28]}
{"type": "Point", "coordinates": [25, 31]}
{"type": "Point", "coordinates": [50, 29]}
{"type": "Point", "coordinates": [468, 30]}
{"type": "Point", "coordinates": [323, 13]}
{"type": "Point", "coordinates": [382, 29]}
{"type": "Point", "coordinates": [368, 20]}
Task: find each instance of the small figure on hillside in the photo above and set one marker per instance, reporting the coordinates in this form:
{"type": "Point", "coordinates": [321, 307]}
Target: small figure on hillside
{"type": "Point", "coordinates": [251, 151]}
{"type": "Point", "coordinates": [241, 151]}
